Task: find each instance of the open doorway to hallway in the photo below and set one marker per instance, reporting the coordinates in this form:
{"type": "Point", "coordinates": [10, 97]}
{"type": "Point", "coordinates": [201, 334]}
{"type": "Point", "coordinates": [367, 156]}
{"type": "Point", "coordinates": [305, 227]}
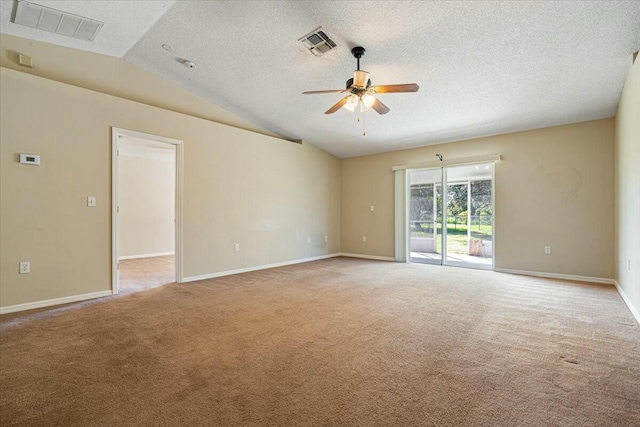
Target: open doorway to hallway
{"type": "Point", "coordinates": [145, 200]}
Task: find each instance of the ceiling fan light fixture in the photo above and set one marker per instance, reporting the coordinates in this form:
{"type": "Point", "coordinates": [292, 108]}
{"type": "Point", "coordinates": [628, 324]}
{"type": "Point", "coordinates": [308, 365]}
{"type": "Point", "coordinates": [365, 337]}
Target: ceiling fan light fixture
{"type": "Point", "coordinates": [361, 92]}
{"type": "Point", "coordinates": [352, 103]}
{"type": "Point", "coordinates": [368, 100]}
{"type": "Point", "coordinates": [360, 78]}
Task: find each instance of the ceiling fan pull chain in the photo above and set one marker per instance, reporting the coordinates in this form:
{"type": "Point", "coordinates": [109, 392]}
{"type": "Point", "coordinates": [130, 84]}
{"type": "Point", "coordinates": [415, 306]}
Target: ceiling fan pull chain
{"type": "Point", "coordinates": [364, 124]}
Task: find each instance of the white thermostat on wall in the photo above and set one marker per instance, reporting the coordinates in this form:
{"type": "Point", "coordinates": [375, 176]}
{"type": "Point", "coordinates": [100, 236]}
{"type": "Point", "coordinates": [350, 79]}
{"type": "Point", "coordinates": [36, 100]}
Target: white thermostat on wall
{"type": "Point", "coordinates": [29, 159]}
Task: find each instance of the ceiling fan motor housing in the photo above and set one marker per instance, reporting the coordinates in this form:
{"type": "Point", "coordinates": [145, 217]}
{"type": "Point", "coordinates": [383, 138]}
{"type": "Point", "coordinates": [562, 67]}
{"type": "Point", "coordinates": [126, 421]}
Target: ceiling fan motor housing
{"type": "Point", "coordinates": [350, 83]}
{"type": "Point", "coordinates": [357, 52]}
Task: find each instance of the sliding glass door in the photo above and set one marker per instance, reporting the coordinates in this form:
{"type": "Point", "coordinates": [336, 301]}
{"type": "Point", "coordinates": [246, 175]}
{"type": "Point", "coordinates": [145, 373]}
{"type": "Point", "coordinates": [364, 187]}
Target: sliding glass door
{"type": "Point", "coordinates": [425, 216]}
{"type": "Point", "coordinates": [454, 226]}
{"type": "Point", "coordinates": [469, 212]}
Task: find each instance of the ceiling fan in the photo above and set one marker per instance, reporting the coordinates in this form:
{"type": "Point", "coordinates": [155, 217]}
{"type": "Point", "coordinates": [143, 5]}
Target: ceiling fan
{"type": "Point", "coordinates": [361, 93]}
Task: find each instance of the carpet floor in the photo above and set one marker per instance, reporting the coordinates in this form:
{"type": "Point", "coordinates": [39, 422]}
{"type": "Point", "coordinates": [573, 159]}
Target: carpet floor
{"type": "Point", "coordinates": [338, 342]}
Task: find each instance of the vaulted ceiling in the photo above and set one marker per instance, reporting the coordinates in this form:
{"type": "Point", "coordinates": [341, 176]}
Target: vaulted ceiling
{"type": "Point", "coordinates": [483, 68]}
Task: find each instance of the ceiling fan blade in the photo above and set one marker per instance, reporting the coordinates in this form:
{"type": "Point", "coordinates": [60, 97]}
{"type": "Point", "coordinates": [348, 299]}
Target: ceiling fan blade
{"type": "Point", "coordinates": [407, 87]}
{"type": "Point", "coordinates": [312, 92]}
{"type": "Point", "coordinates": [337, 106]}
{"type": "Point", "coordinates": [380, 107]}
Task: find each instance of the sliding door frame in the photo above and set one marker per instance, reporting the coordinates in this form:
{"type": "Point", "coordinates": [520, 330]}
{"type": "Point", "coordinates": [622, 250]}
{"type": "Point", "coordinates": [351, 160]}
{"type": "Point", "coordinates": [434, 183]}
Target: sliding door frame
{"type": "Point", "coordinates": [402, 222]}
{"type": "Point", "coordinates": [445, 200]}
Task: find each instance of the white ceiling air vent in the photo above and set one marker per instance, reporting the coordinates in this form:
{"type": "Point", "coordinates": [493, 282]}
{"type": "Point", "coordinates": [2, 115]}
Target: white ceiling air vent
{"type": "Point", "coordinates": [56, 21]}
{"type": "Point", "coordinates": [318, 42]}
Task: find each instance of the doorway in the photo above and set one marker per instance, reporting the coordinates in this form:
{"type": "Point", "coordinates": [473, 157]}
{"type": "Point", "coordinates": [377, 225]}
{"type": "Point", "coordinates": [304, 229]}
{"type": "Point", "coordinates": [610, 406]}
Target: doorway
{"type": "Point", "coordinates": [146, 201]}
{"type": "Point", "coordinates": [451, 218]}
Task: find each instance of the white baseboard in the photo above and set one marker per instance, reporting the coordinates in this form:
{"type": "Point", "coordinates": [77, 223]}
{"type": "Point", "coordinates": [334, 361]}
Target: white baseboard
{"type": "Point", "coordinates": [55, 301]}
{"type": "Point", "coordinates": [557, 276]}
{"type": "Point", "coordinates": [146, 255]}
{"type": "Point", "coordinates": [375, 257]}
{"type": "Point", "coordinates": [258, 267]}
{"type": "Point", "coordinates": [627, 301]}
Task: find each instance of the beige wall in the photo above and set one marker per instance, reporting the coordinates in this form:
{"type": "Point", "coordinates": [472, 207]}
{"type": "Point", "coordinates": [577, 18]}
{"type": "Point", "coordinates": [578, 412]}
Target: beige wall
{"type": "Point", "coordinates": [267, 194]}
{"type": "Point", "coordinates": [554, 187]}
{"type": "Point", "coordinates": [114, 76]}
{"type": "Point", "coordinates": [627, 189]}
{"type": "Point", "coordinates": [146, 189]}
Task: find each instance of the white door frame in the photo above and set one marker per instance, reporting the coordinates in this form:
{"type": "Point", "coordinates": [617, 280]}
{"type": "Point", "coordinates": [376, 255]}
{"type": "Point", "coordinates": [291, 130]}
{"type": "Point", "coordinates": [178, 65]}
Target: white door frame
{"type": "Point", "coordinates": [115, 264]}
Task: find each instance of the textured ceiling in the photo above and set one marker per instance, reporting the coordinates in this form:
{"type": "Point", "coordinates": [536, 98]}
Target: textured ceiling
{"type": "Point", "coordinates": [483, 68]}
{"type": "Point", "coordinates": [125, 22]}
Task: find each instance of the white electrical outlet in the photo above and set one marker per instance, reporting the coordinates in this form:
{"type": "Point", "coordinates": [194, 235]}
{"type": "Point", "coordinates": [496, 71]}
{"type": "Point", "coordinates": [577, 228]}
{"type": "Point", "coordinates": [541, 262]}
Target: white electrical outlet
{"type": "Point", "coordinates": [547, 250]}
{"type": "Point", "coordinates": [236, 247]}
{"type": "Point", "coordinates": [629, 264]}
{"type": "Point", "coordinates": [91, 202]}
{"type": "Point", "coordinates": [25, 267]}
{"type": "Point", "coordinates": [372, 208]}
{"type": "Point", "coordinates": [364, 238]}
{"type": "Point", "coordinates": [308, 239]}
{"type": "Point", "coordinates": [326, 238]}
{"type": "Point", "coordinates": [29, 159]}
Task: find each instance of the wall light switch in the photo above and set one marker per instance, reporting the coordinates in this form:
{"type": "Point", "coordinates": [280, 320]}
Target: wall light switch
{"type": "Point", "coordinates": [91, 202]}
{"type": "Point", "coordinates": [326, 238]}
{"type": "Point", "coordinates": [308, 239]}
{"type": "Point", "coordinates": [364, 238]}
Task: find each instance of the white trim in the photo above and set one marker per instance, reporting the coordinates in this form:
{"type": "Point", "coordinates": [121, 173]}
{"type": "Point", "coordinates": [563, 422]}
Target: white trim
{"type": "Point", "coordinates": [255, 268]}
{"type": "Point", "coordinates": [115, 259]}
{"type": "Point", "coordinates": [374, 257]}
{"type": "Point", "coordinates": [493, 216]}
{"type": "Point", "coordinates": [627, 301]}
{"type": "Point", "coordinates": [137, 256]}
{"type": "Point", "coordinates": [179, 215]}
{"type": "Point", "coordinates": [146, 136]}
{"type": "Point", "coordinates": [453, 162]}
{"type": "Point", "coordinates": [55, 301]}
{"type": "Point", "coordinates": [557, 276]}
{"type": "Point", "coordinates": [445, 225]}
{"type": "Point", "coordinates": [401, 216]}
{"type": "Point", "coordinates": [114, 213]}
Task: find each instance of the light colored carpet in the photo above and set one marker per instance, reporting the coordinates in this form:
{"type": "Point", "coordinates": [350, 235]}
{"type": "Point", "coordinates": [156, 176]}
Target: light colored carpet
{"type": "Point", "coordinates": [339, 342]}
{"type": "Point", "coordinates": [141, 274]}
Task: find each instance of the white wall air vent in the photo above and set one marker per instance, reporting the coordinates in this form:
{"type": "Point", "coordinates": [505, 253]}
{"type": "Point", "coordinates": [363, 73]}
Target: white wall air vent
{"type": "Point", "coordinates": [318, 42]}
{"type": "Point", "coordinates": [56, 21]}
